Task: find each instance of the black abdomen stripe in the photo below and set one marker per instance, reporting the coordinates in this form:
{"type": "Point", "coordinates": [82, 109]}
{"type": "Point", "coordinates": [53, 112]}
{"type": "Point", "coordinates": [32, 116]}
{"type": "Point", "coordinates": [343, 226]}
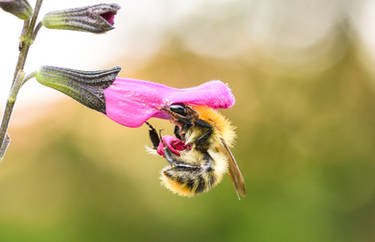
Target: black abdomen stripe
{"type": "Point", "coordinates": [197, 181]}
{"type": "Point", "coordinates": [201, 185]}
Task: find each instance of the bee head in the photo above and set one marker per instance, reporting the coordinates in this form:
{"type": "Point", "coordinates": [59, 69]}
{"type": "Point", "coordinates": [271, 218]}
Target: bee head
{"type": "Point", "coordinates": [179, 109]}
{"type": "Point", "coordinates": [181, 114]}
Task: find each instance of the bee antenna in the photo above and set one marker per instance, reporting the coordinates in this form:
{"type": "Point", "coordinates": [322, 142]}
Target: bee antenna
{"type": "Point", "coordinates": [149, 125]}
{"type": "Point", "coordinates": [161, 137]}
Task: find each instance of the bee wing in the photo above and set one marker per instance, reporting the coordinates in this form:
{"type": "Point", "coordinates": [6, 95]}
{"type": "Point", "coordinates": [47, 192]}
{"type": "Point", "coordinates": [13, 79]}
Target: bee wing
{"type": "Point", "coordinates": [234, 172]}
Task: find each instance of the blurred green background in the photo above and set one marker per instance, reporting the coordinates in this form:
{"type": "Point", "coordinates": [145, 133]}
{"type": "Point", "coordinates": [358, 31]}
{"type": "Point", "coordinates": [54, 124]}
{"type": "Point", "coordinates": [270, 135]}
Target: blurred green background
{"type": "Point", "coordinates": [305, 119]}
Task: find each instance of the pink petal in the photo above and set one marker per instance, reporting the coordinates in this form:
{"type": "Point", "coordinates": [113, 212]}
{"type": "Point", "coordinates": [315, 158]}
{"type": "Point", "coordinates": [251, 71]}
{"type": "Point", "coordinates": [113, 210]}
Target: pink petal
{"type": "Point", "coordinates": [173, 144]}
{"type": "Point", "coordinates": [131, 102]}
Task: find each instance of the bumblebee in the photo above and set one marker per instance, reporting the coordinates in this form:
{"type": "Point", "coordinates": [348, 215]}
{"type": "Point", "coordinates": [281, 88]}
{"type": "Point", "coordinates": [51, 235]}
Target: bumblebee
{"type": "Point", "coordinates": [207, 136]}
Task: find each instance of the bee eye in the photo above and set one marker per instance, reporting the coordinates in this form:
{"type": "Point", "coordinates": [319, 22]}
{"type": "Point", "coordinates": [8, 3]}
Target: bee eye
{"type": "Point", "coordinates": [178, 108]}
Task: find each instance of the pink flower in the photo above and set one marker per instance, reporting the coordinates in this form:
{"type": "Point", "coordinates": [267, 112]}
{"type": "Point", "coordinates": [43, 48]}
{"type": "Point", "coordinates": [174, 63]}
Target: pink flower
{"type": "Point", "coordinates": [131, 102]}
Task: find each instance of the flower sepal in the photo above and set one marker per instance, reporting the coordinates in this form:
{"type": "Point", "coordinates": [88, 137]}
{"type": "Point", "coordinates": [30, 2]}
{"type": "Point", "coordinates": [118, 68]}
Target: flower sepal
{"type": "Point", "coordinates": [86, 87]}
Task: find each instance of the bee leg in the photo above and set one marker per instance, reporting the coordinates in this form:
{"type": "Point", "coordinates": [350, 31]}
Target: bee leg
{"type": "Point", "coordinates": [169, 155]}
{"type": "Point", "coordinates": [209, 162]}
{"type": "Point", "coordinates": [176, 164]}
{"type": "Point", "coordinates": [203, 138]}
{"type": "Point", "coordinates": [177, 132]}
{"type": "Point", "coordinates": [153, 136]}
{"type": "Point", "coordinates": [173, 159]}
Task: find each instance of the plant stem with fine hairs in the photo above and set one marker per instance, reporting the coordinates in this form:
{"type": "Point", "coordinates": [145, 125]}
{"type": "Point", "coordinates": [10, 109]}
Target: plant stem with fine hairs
{"type": "Point", "coordinates": [28, 35]}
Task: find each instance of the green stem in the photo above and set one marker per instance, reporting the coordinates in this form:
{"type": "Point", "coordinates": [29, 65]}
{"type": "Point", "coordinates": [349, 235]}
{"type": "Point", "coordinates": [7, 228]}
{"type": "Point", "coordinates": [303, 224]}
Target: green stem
{"type": "Point", "coordinates": [28, 34]}
{"type": "Point", "coordinates": [8, 112]}
{"type": "Point", "coordinates": [5, 145]}
{"type": "Point", "coordinates": [36, 30]}
{"type": "Point", "coordinates": [26, 40]}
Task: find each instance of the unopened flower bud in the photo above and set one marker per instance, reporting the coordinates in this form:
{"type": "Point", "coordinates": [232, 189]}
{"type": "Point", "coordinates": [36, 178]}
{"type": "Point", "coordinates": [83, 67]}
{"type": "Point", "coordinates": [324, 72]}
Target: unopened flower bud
{"type": "Point", "coordinates": [19, 8]}
{"type": "Point", "coordinates": [96, 19]}
{"type": "Point", "coordinates": [85, 87]}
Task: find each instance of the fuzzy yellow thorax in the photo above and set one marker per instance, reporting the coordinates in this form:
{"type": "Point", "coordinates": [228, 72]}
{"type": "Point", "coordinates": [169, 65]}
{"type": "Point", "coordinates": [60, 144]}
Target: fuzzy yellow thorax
{"type": "Point", "coordinates": [218, 121]}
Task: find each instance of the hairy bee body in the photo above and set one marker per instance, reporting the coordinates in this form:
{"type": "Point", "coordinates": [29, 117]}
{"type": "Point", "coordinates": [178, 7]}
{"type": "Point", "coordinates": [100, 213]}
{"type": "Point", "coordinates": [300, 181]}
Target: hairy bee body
{"type": "Point", "coordinates": [199, 178]}
{"type": "Point", "coordinates": [209, 164]}
{"type": "Point", "coordinates": [202, 166]}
